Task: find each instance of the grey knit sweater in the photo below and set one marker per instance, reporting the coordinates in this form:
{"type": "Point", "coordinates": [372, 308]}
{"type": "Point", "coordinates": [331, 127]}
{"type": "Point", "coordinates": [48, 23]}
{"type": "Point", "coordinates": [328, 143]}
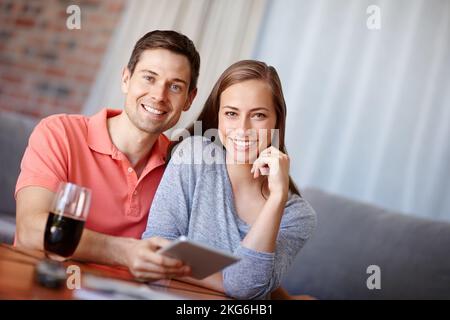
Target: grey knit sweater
{"type": "Point", "coordinates": [195, 199]}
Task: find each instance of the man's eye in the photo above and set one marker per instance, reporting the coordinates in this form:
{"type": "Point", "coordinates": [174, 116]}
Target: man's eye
{"type": "Point", "coordinates": [230, 114]}
{"type": "Point", "coordinates": [175, 88]}
{"type": "Point", "coordinates": [148, 78]}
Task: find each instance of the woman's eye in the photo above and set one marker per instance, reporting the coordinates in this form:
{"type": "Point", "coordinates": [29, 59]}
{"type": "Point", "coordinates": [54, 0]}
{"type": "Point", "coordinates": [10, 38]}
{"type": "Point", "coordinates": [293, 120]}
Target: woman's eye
{"type": "Point", "coordinates": [260, 115]}
{"type": "Point", "coordinates": [230, 114]}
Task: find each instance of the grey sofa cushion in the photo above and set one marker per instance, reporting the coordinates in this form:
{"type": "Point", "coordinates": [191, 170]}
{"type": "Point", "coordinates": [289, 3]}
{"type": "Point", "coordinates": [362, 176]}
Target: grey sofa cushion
{"type": "Point", "coordinates": [412, 253]}
{"type": "Point", "coordinates": [7, 228]}
{"type": "Point", "coordinates": [15, 130]}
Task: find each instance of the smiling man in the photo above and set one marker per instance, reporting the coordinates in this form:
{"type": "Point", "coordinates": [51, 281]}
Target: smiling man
{"type": "Point", "coordinates": [119, 155]}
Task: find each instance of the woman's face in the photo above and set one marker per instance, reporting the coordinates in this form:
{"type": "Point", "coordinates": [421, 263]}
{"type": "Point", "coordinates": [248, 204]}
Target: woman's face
{"type": "Point", "coordinates": [246, 119]}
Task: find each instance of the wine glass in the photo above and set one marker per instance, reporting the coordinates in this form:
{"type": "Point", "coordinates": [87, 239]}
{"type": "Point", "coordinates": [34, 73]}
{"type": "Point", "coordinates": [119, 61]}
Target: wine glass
{"type": "Point", "coordinates": [66, 220]}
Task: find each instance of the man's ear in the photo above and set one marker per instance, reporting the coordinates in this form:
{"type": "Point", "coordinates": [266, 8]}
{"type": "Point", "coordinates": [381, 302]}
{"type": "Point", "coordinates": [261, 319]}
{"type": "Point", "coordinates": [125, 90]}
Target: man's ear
{"type": "Point", "coordinates": [191, 97]}
{"type": "Point", "coordinates": [126, 75]}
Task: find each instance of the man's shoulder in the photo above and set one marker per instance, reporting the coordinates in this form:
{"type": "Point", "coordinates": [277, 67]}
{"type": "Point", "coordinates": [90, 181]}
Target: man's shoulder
{"type": "Point", "coordinates": [59, 123]}
{"type": "Point", "coordinates": [64, 119]}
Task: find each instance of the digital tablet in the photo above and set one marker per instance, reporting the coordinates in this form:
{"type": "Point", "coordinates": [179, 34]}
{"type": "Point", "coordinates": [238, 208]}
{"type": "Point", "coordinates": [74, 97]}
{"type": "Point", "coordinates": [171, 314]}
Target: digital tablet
{"type": "Point", "coordinates": [203, 260]}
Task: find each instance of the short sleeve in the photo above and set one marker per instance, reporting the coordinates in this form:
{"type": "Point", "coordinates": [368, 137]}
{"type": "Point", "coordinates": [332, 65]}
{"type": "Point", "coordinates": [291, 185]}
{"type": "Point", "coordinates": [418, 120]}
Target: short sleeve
{"type": "Point", "coordinates": [44, 163]}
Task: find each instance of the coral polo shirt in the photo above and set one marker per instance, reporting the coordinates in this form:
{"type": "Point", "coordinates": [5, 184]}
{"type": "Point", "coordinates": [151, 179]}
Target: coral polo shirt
{"type": "Point", "coordinates": [78, 149]}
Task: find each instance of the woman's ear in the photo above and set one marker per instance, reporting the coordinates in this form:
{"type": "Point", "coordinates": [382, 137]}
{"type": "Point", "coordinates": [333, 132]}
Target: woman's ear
{"type": "Point", "coordinates": [126, 75]}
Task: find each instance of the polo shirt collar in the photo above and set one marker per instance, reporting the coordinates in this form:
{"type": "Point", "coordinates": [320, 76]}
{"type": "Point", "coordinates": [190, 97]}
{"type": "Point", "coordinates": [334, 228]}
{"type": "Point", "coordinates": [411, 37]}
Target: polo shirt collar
{"type": "Point", "coordinates": [99, 140]}
{"type": "Point", "coordinates": [98, 135]}
{"type": "Point", "coordinates": [158, 153]}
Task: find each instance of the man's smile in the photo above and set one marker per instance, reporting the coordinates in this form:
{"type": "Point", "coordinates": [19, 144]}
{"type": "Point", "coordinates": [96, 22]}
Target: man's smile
{"type": "Point", "coordinates": [152, 109]}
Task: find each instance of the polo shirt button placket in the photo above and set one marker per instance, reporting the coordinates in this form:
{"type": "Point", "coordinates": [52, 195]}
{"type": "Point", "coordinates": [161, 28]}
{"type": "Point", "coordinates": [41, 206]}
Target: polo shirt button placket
{"type": "Point", "coordinates": [133, 203]}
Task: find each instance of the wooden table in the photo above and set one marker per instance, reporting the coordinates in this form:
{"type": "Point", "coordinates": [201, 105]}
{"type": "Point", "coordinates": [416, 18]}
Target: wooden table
{"type": "Point", "coordinates": [17, 278]}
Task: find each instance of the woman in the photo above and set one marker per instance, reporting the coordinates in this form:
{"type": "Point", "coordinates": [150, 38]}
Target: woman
{"type": "Point", "coordinates": [235, 193]}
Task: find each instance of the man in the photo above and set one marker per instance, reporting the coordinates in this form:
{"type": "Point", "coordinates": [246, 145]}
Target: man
{"type": "Point", "coordinates": [119, 155]}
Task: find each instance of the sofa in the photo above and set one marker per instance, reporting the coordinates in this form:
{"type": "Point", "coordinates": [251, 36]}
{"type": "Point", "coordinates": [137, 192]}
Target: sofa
{"type": "Point", "coordinates": [15, 130]}
{"type": "Point", "coordinates": [413, 254]}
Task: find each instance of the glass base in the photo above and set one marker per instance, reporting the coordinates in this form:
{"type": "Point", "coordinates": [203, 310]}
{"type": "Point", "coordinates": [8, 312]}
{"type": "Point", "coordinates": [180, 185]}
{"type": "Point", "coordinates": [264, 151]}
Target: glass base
{"type": "Point", "coordinates": [55, 257]}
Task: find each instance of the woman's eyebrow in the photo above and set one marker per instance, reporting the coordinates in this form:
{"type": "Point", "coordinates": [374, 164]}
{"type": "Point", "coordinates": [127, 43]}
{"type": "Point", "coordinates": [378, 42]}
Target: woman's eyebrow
{"type": "Point", "coordinates": [253, 109]}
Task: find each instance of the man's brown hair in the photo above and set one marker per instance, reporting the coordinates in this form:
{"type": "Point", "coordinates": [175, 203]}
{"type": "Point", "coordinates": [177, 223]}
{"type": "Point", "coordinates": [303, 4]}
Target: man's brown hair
{"type": "Point", "coordinates": [172, 41]}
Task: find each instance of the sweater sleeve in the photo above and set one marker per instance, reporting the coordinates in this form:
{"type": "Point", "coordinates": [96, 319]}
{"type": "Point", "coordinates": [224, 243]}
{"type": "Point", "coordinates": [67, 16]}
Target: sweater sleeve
{"type": "Point", "coordinates": [259, 273]}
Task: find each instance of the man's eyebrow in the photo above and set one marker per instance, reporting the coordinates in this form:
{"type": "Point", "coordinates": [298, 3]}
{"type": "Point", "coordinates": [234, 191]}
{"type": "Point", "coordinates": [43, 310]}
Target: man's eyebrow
{"type": "Point", "coordinates": [254, 109]}
{"type": "Point", "coordinates": [156, 74]}
{"type": "Point", "coordinates": [148, 71]}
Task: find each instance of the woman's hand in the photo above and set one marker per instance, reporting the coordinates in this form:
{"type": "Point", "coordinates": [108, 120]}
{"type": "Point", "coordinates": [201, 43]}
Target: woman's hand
{"type": "Point", "coordinates": [275, 164]}
{"type": "Point", "coordinates": [144, 263]}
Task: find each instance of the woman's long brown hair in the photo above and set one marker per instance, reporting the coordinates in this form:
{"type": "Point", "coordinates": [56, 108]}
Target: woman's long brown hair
{"type": "Point", "coordinates": [238, 72]}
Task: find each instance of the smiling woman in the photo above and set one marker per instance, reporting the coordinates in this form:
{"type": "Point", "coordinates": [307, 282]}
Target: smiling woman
{"type": "Point", "coordinates": [246, 117]}
{"type": "Point", "coordinates": [232, 205]}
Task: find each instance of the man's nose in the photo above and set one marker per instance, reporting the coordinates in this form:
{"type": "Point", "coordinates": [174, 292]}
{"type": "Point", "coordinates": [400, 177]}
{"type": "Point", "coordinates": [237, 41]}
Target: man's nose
{"type": "Point", "coordinates": [158, 92]}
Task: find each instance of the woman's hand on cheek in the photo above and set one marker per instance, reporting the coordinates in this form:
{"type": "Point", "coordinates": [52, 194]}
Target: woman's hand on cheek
{"type": "Point", "coordinates": [275, 164]}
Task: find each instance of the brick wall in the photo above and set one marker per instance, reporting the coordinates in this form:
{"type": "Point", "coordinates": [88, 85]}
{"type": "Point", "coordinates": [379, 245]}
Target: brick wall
{"type": "Point", "coordinates": [45, 68]}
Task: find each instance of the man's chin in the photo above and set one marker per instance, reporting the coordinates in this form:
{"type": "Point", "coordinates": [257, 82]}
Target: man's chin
{"type": "Point", "coordinates": [152, 129]}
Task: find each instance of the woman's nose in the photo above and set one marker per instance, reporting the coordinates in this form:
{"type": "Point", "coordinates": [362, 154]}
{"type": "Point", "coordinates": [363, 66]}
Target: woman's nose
{"type": "Point", "coordinates": [244, 124]}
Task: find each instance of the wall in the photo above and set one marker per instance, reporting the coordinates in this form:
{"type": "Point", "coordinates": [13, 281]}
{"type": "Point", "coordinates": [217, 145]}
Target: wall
{"type": "Point", "coordinates": [45, 68]}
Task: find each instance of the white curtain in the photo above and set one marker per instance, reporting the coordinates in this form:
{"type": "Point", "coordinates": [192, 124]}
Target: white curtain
{"type": "Point", "coordinates": [368, 110]}
{"type": "Point", "coordinates": [223, 31]}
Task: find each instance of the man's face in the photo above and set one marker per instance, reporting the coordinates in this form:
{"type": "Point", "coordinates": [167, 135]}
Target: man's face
{"type": "Point", "coordinates": [158, 90]}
